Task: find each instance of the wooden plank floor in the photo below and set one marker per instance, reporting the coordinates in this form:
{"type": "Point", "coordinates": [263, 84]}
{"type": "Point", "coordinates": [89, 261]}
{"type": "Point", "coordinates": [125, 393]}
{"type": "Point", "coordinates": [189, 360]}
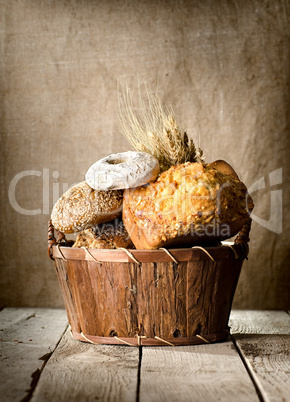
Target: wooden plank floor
{"type": "Point", "coordinates": [40, 361]}
{"type": "Point", "coordinates": [28, 338]}
{"type": "Point", "coordinates": [263, 341]}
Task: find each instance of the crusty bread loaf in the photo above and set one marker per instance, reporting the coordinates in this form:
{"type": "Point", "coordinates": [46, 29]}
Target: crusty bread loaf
{"type": "Point", "coordinates": [82, 207]}
{"type": "Point", "coordinates": [108, 235]}
{"type": "Point", "coordinates": [189, 204]}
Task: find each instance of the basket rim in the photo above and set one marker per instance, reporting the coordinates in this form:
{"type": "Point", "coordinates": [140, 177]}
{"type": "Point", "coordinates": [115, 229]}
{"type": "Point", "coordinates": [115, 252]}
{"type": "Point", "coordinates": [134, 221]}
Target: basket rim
{"type": "Point", "coordinates": [240, 250]}
{"type": "Point", "coordinates": [213, 253]}
{"type": "Point", "coordinates": [157, 341]}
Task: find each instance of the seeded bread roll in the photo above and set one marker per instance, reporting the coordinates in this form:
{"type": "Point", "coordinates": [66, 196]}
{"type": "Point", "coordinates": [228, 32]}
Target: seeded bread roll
{"type": "Point", "coordinates": [189, 204]}
{"type": "Point", "coordinates": [82, 207]}
{"type": "Point", "coordinates": [108, 235]}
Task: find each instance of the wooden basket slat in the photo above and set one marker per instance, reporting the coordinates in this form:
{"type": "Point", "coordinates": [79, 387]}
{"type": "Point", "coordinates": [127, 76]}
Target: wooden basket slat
{"type": "Point", "coordinates": [62, 270]}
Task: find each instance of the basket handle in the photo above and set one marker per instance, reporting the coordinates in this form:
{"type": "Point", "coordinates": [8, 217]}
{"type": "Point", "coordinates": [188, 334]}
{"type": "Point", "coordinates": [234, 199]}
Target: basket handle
{"type": "Point", "coordinates": [52, 240]}
{"type": "Point", "coordinates": [243, 235]}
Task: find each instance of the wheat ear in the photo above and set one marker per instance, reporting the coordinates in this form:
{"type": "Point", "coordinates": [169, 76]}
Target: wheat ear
{"type": "Point", "coordinates": [155, 129]}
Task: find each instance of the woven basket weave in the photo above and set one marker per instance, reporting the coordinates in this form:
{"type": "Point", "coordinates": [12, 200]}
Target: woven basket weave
{"type": "Point", "coordinates": [148, 297]}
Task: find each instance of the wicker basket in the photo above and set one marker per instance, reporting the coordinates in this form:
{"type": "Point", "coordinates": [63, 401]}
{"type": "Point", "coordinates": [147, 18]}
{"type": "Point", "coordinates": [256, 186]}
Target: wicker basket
{"type": "Point", "coordinates": [148, 297]}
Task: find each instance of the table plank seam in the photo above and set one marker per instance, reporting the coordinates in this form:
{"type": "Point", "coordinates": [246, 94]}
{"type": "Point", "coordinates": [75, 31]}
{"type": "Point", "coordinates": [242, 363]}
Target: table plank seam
{"type": "Point", "coordinates": [139, 374]}
{"type": "Point", "coordinates": [251, 373]}
{"type": "Point", "coordinates": [37, 374]}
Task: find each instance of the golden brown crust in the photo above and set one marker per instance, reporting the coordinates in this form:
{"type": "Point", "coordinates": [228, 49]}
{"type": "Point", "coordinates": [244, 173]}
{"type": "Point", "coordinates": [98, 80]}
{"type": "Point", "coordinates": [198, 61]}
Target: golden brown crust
{"type": "Point", "coordinates": [109, 235]}
{"type": "Point", "coordinates": [189, 204]}
{"type": "Point", "coordinates": [82, 207]}
{"type": "Point", "coordinates": [224, 167]}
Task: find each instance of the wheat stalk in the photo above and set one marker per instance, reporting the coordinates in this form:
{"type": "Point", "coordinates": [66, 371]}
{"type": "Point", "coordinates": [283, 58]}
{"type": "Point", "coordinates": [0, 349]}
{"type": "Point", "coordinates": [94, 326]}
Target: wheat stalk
{"type": "Point", "coordinates": [155, 129]}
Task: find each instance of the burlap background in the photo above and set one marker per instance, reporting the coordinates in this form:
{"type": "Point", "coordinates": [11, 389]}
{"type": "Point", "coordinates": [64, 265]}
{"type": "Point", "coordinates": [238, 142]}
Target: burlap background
{"type": "Point", "coordinates": [223, 65]}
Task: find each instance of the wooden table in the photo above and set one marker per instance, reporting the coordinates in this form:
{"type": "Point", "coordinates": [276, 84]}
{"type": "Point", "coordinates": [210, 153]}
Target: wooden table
{"type": "Point", "coordinates": [40, 361]}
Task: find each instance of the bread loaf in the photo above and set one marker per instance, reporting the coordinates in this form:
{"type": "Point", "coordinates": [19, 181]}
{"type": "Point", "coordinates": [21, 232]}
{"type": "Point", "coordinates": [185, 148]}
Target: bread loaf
{"type": "Point", "coordinates": [109, 235]}
{"type": "Point", "coordinates": [189, 204]}
{"type": "Point", "coordinates": [82, 207]}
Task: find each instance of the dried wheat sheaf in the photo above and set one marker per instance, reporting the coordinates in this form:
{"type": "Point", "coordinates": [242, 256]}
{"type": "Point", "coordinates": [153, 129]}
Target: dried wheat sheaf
{"type": "Point", "coordinates": [153, 128]}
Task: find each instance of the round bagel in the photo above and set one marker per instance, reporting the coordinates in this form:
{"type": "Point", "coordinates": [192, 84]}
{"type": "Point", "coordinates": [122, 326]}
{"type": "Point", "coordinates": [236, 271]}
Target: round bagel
{"type": "Point", "coordinates": [82, 207]}
{"type": "Point", "coordinates": [123, 170]}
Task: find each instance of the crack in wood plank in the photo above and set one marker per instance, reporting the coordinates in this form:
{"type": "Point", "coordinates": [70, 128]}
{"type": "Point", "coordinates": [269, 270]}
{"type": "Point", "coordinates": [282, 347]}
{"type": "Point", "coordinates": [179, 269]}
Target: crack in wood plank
{"type": "Point", "coordinates": [263, 342]}
{"type": "Point", "coordinates": [81, 371]}
{"type": "Point", "coordinates": [36, 375]}
{"type": "Point", "coordinates": [250, 371]}
{"type": "Point", "coordinates": [139, 374]}
{"type": "Point", "coordinates": [35, 333]}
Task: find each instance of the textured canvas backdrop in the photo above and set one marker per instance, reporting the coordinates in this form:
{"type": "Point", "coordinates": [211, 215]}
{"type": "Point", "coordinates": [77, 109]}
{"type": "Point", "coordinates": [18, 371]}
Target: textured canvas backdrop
{"type": "Point", "coordinates": [222, 65]}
